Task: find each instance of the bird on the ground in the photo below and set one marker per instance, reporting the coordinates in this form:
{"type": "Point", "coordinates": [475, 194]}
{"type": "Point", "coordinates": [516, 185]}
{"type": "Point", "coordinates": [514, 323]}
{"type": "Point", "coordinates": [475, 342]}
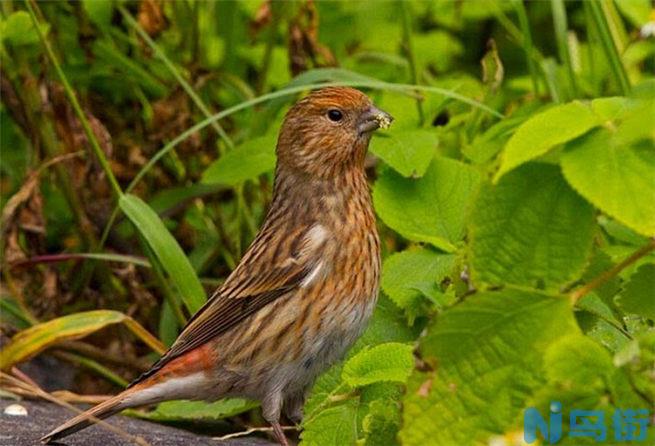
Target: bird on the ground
{"type": "Point", "coordinates": [303, 291]}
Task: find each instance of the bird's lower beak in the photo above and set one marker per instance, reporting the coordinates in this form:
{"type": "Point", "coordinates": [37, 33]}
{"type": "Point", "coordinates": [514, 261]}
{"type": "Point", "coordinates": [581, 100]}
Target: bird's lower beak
{"type": "Point", "coordinates": [373, 119]}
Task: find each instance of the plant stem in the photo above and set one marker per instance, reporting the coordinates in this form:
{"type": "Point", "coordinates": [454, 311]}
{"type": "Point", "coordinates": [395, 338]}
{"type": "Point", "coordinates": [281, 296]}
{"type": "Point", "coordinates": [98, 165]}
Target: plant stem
{"type": "Point", "coordinates": [268, 51]}
{"type": "Point", "coordinates": [609, 47]}
{"type": "Point", "coordinates": [411, 56]}
{"type": "Point", "coordinates": [616, 269]}
{"type": "Point", "coordinates": [561, 33]}
{"type": "Point", "coordinates": [174, 71]}
{"type": "Point", "coordinates": [527, 43]}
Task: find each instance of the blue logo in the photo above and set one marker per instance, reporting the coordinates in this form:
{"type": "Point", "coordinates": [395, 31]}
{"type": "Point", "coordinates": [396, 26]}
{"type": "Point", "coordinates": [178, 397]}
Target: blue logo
{"type": "Point", "coordinates": [627, 424]}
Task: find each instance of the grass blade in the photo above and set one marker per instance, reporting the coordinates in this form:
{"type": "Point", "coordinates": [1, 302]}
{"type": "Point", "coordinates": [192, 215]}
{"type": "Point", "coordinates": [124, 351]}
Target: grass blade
{"type": "Point", "coordinates": [609, 48]}
{"type": "Point", "coordinates": [174, 71]}
{"type": "Point", "coordinates": [561, 32]}
{"type": "Point", "coordinates": [527, 43]}
{"type": "Point", "coordinates": [33, 340]}
{"type": "Point", "coordinates": [166, 249]}
{"type": "Point", "coordinates": [91, 137]}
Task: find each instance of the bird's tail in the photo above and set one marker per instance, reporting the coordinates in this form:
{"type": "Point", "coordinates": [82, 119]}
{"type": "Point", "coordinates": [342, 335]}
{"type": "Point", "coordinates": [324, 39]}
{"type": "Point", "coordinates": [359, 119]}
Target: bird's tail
{"type": "Point", "coordinates": [102, 410]}
{"type": "Point", "coordinates": [143, 393]}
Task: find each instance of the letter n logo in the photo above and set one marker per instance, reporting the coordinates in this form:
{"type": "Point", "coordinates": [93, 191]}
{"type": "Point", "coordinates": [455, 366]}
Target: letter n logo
{"type": "Point", "coordinates": [533, 422]}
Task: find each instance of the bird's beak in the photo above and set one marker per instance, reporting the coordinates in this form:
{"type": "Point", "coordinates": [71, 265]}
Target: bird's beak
{"type": "Point", "coordinates": [372, 119]}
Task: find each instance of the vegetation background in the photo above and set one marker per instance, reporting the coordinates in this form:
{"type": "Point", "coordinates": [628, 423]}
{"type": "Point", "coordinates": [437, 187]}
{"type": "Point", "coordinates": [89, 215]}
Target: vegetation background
{"type": "Point", "coordinates": [515, 194]}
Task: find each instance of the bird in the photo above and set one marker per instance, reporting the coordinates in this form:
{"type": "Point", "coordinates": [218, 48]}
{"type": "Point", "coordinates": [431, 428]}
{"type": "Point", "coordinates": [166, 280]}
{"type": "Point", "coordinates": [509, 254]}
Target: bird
{"type": "Point", "coordinates": [305, 288]}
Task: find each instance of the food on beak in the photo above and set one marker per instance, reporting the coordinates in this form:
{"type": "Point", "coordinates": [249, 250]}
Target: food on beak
{"type": "Point", "coordinates": [383, 119]}
{"type": "Point", "coordinates": [373, 119]}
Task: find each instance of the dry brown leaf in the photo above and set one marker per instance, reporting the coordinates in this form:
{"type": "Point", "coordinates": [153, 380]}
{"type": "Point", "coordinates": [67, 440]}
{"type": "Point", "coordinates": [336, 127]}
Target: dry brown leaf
{"type": "Point", "coordinates": [151, 17]}
{"type": "Point", "coordinates": [305, 51]}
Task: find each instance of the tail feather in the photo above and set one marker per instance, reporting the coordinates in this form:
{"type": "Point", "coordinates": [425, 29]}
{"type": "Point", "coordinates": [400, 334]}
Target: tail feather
{"type": "Point", "coordinates": [102, 410]}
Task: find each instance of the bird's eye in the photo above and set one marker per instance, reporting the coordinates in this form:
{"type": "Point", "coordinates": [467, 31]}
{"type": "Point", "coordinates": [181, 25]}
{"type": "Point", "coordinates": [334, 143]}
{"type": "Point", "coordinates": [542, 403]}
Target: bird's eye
{"type": "Point", "coordinates": [335, 115]}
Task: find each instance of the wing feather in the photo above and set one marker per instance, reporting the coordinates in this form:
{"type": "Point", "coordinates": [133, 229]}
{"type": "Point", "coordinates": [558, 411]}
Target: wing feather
{"type": "Point", "coordinates": [248, 289]}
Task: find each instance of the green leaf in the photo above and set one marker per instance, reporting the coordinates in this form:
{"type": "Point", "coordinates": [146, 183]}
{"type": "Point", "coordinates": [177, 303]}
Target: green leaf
{"type": "Point", "coordinates": [577, 361]}
{"type": "Point", "coordinates": [430, 209]}
{"type": "Point", "coordinates": [175, 411]}
{"type": "Point", "coordinates": [381, 423]}
{"type": "Point", "coordinates": [385, 362]}
{"type": "Point", "coordinates": [638, 295]}
{"type": "Point", "coordinates": [404, 274]}
{"type": "Point", "coordinates": [245, 162]}
{"type": "Point", "coordinates": [530, 229]}
{"type": "Point", "coordinates": [387, 325]}
{"type": "Point", "coordinates": [99, 11]}
{"type": "Point", "coordinates": [170, 255]}
{"type": "Point", "coordinates": [33, 340]}
{"type": "Point", "coordinates": [580, 373]}
{"type": "Point", "coordinates": [488, 358]}
{"type": "Point", "coordinates": [18, 29]}
{"type": "Point", "coordinates": [637, 11]}
{"type": "Point", "coordinates": [486, 145]}
{"type": "Point", "coordinates": [615, 175]}
{"type": "Point", "coordinates": [409, 152]}
{"type": "Point", "coordinates": [335, 426]}
{"type": "Point", "coordinates": [545, 130]}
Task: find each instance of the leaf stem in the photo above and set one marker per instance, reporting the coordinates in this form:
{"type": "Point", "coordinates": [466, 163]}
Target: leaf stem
{"type": "Point", "coordinates": [610, 273]}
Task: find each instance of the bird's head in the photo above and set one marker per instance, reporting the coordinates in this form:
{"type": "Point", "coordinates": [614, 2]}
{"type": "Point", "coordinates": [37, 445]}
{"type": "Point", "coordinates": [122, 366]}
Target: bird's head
{"type": "Point", "coordinates": [328, 131]}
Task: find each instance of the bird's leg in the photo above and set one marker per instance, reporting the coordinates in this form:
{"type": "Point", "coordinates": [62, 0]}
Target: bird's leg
{"type": "Point", "coordinates": [271, 408]}
{"type": "Point", "coordinates": [279, 434]}
{"type": "Point", "coordinates": [293, 406]}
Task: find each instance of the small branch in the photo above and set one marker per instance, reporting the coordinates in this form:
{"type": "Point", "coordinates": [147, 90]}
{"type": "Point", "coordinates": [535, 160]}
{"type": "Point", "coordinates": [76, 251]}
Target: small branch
{"type": "Point", "coordinates": [251, 431]}
{"type": "Point", "coordinates": [616, 269]}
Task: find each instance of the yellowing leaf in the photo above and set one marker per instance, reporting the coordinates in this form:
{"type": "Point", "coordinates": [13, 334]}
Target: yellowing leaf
{"type": "Point", "coordinates": [33, 340]}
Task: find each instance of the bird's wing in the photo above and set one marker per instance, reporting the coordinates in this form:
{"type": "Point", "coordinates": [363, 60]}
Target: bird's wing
{"type": "Point", "coordinates": [250, 287]}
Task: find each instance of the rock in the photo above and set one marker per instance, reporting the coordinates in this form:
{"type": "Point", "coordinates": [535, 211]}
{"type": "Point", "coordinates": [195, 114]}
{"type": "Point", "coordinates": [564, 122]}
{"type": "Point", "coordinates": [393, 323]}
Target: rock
{"type": "Point", "coordinates": [42, 417]}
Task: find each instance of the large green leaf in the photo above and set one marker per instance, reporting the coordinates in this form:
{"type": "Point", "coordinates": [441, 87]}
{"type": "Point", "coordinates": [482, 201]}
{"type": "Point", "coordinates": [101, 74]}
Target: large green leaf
{"type": "Point", "coordinates": [409, 152]}
{"type": "Point", "coordinates": [614, 170]}
{"type": "Point", "coordinates": [530, 229]}
{"type": "Point", "coordinates": [488, 353]}
{"type": "Point", "coordinates": [33, 340]}
{"type": "Point", "coordinates": [245, 162]}
{"type": "Point", "coordinates": [405, 273]}
{"type": "Point", "coordinates": [544, 131]}
{"type": "Point", "coordinates": [392, 361]}
{"type": "Point", "coordinates": [430, 209]}
{"type": "Point", "coordinates": [170, 255]}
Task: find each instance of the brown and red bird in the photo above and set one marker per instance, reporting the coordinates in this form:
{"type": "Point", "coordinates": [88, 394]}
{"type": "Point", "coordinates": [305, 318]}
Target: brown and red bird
{"type": "Point", "coordinates": [304, 290]}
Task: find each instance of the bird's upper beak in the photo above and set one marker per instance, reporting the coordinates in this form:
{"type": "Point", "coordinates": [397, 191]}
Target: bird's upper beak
{"type": "Point", "coordinates": [372, 119]}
